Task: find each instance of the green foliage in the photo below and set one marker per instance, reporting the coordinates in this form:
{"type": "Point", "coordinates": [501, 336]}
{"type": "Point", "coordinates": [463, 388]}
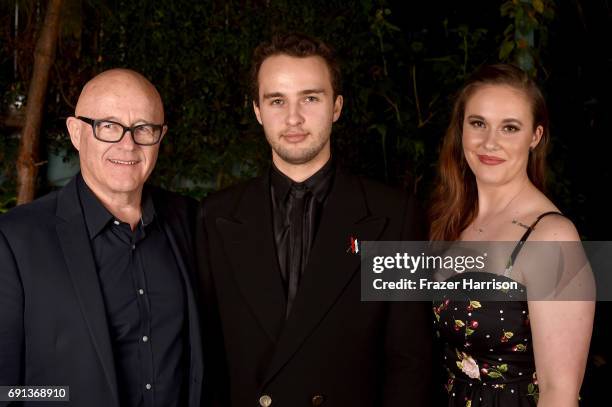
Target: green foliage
{"type": "Point", "coordinates": [7, 203]}
{"type": "Point", "coordinates": [527, 34]}
{"type": "Point", "coordinates": [399, 79]}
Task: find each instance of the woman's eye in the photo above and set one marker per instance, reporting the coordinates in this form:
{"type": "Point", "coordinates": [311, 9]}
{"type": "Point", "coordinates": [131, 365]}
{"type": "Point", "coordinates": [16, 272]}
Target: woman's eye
{"type": "Point", "coordinates": [511, 129]}
{"type": "Point", "coordinates": [477, 123]}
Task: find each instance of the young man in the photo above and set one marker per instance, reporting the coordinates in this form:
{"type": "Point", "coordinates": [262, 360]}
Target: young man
{"type": "Point", "coordinates": [284, 322]}
{"type": "Point", "coordinates": [95, 279]}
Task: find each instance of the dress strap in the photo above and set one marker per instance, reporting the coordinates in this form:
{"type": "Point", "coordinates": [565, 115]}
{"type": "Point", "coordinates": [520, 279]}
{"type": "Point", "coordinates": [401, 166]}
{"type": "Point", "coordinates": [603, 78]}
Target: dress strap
{"type": "Point", "coordinates": [519, 245]}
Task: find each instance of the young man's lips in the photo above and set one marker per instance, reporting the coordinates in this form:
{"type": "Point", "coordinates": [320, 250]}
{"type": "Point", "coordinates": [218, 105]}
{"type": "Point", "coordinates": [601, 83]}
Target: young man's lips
{"type": "Point", "coordinates": [489, 160]}
{"type": "Point", "coordinates": [294, 137]}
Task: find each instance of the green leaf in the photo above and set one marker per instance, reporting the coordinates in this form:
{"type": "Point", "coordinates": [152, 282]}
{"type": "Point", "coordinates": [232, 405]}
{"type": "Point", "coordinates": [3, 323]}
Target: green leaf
{"type": "Point", "coordinates": [380, 128]}
{"type": "Point", "coordinates": [416, 46]}
{"type": "Point", "coordinates": [494, 375]}
{"type": "Point", "coordinates": [503, 368]}
{"type": "Point", "coordinates": [538, 5]}
{"type": "Point", "coordinates": [506, 49]}
{"type": "Point", "coordinates": [506, 8]}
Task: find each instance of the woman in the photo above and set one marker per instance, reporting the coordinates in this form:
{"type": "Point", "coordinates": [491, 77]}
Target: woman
{"type": "Point", "coordinates": [490, 189]}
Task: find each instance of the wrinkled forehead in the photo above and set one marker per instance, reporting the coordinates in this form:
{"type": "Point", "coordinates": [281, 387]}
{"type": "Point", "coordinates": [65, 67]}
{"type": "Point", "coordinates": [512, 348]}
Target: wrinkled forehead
{"type": "Point", "coordinates": [121, 96]}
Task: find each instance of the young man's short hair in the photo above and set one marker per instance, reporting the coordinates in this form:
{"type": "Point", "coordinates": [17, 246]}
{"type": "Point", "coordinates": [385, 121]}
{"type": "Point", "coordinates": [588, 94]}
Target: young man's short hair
{"type": "Point", "coordinates": [295, 45]}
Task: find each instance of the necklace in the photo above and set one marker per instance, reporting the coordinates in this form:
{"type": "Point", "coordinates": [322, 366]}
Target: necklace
{"type": "Point", "coordinates": [480, 229]}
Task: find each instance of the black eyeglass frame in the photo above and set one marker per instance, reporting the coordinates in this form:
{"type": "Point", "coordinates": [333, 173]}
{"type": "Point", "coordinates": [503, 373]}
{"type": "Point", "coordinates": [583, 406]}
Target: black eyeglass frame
{"type": "Point", "coordinates": [94, 122]}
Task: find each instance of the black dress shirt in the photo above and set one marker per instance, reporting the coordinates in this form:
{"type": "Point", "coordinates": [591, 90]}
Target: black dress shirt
{"type": "Point", "coordinates": [145, 303]}
{"type": "Point", "coordinates": [296, 211]}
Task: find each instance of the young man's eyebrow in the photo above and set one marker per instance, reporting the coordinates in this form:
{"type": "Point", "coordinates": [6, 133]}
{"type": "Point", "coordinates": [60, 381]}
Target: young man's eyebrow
{"type": "Point", "coordinates": [302, 92]}
{"type": "Point", "coordinates": [311, 91]}
{"type": "Point", "coordinates": [273, 95]}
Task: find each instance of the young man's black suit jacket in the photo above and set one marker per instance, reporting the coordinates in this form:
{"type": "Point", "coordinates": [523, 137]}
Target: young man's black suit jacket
{"type": "Point", "coordinates": [333, 350]}
{"type": "Point", "coordinates": [53, 324]}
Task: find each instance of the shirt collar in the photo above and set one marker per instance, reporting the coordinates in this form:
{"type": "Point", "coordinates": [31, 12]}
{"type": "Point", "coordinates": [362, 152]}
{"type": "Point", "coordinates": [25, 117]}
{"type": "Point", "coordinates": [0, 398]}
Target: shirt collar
{"type": "Point", "coordinates": [97, 216]}
{"type": "Point", "coordinates": [318, 184]}
{"type": "Point", "coordinates": [148, 209]}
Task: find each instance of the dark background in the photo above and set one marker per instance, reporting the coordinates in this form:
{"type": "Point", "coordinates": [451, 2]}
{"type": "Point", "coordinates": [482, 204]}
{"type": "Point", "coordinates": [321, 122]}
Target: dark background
{"type": "Point", "coordinates": [402, 62]}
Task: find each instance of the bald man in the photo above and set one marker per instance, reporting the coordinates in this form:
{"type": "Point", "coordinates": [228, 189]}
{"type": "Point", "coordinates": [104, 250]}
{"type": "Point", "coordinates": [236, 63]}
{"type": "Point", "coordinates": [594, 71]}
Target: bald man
{"type": "Point", "coordinates": [96, 278]}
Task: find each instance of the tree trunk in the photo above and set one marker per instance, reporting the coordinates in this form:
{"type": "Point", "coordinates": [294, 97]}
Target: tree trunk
{"type": "Point", "coordinates": [27, 161]}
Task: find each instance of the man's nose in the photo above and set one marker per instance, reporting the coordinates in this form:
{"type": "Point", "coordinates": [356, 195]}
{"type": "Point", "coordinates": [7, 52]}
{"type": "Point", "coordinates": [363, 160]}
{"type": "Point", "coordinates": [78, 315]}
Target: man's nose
{"type": "Point", "coordinates": [294, 115]}
{"type": "Point", "coordinates": [127, 142]}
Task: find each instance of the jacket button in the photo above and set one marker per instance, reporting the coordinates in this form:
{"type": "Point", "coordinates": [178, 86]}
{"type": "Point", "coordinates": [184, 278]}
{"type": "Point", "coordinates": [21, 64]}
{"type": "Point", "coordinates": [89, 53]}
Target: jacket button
{"type": "Point", "coordinates": [265, 401]}
{"type": "Point", "coordinates": [318, 400]}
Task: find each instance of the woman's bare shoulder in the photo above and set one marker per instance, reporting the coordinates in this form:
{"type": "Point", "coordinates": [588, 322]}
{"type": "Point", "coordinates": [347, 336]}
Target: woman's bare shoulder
{"type": "Point", "coordinates": [556, 228]}
{"type": "Point", "coordinates": [552, 227]}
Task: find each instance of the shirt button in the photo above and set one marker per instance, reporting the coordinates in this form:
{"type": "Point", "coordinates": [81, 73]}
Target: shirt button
{"type": "Point", "coordinates": [265, 401]}
{"type": "Point", "coordinates": [133, 247]}
{"type": "Point", "coordinates": [148, 386]}
{"type": "Point", "coordinates": [318, 400]}
{"type": "Point", "coordinates": [141, 291]}
{"type": "Point", "coordinates": [145, 338]}
{"type": "Point", "coordinates": [116, 222]}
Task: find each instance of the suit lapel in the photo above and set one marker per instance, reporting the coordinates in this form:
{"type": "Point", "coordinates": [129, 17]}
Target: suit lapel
{"type": "Point", "coordinates": [73, 238]}
{"type": "Point", "coordinates": [249, 243]}
{"type": "Point", "coordinates": [330, 267]}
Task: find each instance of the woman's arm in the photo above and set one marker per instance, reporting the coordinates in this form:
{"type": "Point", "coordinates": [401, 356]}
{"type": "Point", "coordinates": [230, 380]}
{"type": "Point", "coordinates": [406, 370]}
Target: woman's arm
{"type": "Point", "coordinates": [561, 332]}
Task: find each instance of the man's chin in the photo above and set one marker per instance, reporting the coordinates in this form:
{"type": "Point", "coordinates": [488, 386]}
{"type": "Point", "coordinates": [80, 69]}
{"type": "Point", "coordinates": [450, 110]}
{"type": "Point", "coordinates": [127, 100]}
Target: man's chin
{"type": "Point", "coordinates": [298, 157]}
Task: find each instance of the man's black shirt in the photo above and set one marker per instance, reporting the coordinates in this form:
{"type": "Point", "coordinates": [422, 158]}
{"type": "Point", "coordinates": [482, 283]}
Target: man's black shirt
{"type": "Point", "coordinates": [296, 211]}
{"type": "Point", "coordinates": [145, 303]}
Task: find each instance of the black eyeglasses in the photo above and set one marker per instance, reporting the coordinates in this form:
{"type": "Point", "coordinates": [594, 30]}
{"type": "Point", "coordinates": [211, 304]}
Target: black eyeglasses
{"type": "Point", "coordinates": [112, 132]}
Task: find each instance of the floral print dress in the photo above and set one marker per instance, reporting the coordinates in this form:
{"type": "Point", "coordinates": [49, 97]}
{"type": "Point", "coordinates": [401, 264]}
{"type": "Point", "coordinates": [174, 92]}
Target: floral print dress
{"type": "Point", "coordinates": [487, 353]}
{"type": "Point", "coordinates": [487, 350]}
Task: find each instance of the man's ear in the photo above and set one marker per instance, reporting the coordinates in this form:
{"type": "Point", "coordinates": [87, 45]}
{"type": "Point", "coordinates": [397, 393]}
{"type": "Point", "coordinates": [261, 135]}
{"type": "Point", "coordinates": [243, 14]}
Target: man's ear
{"type": "Point", "coordinates": [338, 107]}
{"type": "Point", "coordinates": [74, 130]}
{"type": "Point", "coordinates": [164, 131]}
{"type": "Point", "coordinates": [257, 112]}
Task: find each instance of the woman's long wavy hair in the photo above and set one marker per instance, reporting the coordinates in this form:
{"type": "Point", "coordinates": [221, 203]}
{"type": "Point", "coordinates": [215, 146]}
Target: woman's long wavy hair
{"type": "Point", "coordinates": [454, 202]}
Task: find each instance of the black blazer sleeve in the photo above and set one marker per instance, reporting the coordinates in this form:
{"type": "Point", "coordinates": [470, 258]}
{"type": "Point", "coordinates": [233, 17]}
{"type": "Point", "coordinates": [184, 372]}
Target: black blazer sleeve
{"type": "Point", "coordinates": [11, 318]}
{"type": "Point", "coordinates": [408, 343]}
{"type": "Point", "coordinates": [216, 383]}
